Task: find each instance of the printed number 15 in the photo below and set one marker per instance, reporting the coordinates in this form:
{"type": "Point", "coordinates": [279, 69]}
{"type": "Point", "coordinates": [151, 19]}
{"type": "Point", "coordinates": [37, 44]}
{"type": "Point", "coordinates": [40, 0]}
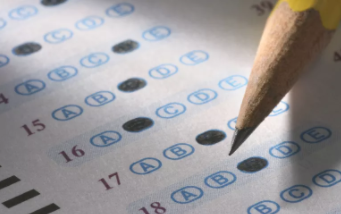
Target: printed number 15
{"type": "Point", "coordinates": [36, 123]}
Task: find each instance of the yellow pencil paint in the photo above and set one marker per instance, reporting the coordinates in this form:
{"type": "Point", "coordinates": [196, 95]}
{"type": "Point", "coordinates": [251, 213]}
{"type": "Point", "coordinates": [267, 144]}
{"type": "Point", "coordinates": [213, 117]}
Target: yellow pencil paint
{"type": "Point", "coordinates": [330, 10]}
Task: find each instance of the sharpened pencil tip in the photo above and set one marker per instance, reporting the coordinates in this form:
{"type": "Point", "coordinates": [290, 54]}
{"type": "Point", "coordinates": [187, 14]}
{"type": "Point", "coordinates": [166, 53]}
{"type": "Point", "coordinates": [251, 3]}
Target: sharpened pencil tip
{"type": "Point", "coordinates": [239, 137]}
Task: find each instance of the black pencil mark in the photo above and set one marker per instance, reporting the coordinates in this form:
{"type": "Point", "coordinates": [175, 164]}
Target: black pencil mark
{"type": "Point", "coordinates": [21, 198]}
{"type": "Point", "coordinates": [52, 2]}
{"type": "Point", "coordinates": [8, 181]}
{"type": "Point", "coordinates": [210, 137]}
{"type": "Point", "coordinates": [48, 209]}
{"type": "Point", "coordinates": [132, 84]}
{"type": "Point", "coordinates": [125, 47]}
{"type": "Point", "coordinates": [138, 124]}
{"type": "Point", "coordinates": [253, 164]}
{"type": "Point", "coordinates": [26, 48]}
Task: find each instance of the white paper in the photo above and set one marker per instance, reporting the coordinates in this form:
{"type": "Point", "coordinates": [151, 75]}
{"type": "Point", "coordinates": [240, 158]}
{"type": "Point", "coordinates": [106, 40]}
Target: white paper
{"type": "Point", "coordinates": [195, 58]}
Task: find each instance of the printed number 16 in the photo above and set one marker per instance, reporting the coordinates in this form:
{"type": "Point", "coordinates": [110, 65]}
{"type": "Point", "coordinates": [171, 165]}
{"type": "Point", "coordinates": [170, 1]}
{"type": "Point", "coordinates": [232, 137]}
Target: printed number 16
{"type": "Point", "coordinates": [36, 123]}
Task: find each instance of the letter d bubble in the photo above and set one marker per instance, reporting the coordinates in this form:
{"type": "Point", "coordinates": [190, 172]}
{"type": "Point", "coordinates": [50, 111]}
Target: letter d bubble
{"type": "Point", "coordinates": [327, 178]}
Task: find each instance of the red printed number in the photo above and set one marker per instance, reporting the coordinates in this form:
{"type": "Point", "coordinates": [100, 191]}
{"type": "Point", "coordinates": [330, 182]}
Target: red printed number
{"type": "Point", "coordinates": [36, 124]}
{"type": "Point", "coordinates": [3, 99]}
{"type": "Point", "coordinates": [157, 208]}
{"type": "Point", "coordinates": [105, 183]}
{"type": "Point", "coordinates": [75, 152]}
{"type": "Point", "coordinates": [337, 56]}
{"type": "Point", "coordinates": [262, 7]}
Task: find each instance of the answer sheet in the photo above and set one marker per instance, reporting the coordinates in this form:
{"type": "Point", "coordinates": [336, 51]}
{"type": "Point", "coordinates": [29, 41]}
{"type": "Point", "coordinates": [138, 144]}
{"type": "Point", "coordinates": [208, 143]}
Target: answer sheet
{"type": "Point", "coordinates": [128, 107]}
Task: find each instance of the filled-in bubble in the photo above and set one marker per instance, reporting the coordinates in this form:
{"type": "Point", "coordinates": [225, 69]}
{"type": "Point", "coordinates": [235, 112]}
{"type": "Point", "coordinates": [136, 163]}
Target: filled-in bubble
{"type": "Point", "coordinates": [210, 137]}
{"type": "Point", "coordinates": [138, 124]}
{"type": "Point", "coordinates": [52, 2]}
{"type": "Point", "coordinates": [125, 46]}
{"type": "Point", "coordinates": [132, 84]}
{"type": "Point", "coordinates": [26, 48]}
{"type": "Point", "coordinates": [253, 164]}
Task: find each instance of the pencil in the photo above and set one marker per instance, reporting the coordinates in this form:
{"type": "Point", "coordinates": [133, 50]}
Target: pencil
{"type": "Point", "coordinates": [295, 33]}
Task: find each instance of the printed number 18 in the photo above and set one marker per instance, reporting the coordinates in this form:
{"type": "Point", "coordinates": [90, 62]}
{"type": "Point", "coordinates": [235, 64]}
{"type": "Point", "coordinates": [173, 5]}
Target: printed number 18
{"type": "Point", "coordinates": [157, 208]}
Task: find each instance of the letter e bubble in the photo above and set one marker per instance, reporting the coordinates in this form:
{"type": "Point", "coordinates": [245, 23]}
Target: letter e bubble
{"type": "Point", "coordinates": [170, 110]}
{"type": "Point", "coordinates": [23, 12]}
{"type": "Point", "coordinates": [145, 166]}
{"type": "Point", "coordinates": [105, 139]}
{"type": "Point", "coordinates": [233, 82]}
{"type": "Point", "coordinates": [264, 207]}
{"type": "Point", "coordinates": [89, 23]}
{"type": "Point", "coordinates": [296, 193]}
{"type": "Point", "coordinates": [30, 87]}
{"type": "Point", "coordinates": [316, 135]}
{"type": "Point", "coordinates": [178, 151]}
{"type": "Point", "coordinates": [156, 33]}
{"type": "Point", "coordinates": [220, 179]}
{"type": "Point", "coordinates": [284, 149]}
{"type": "Point", "coordinates": [67, 112]}
{"type": "Point", "coordinates": [194, 57]}
{"type": "Point", "coordinates": [187, 194]}
{"type": "Point", "coordinates": [62, 73]}
{"type": "Point", "coordinates": [202, 96]}
{"type": "Point", "coordinates": [2, 23]}
{"type": "Point", "coordinates": [4, 60]}
{"type": "Point", "coordinates": [232, 123]}
{"type": "Point", "coordinates": [163, 71]}
{"type": "Point", "coordinates": [99, 98]}
{"type": "Point", "coordinates": [120, 10]}
{"type": "Point", "coordinates": [327, 178]}
{"type": "Point", "coordinates": [279, 109]}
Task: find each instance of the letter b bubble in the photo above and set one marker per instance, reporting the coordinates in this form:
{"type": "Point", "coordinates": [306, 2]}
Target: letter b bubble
{"type": "Point", "coordinates": [99, 98]}
{"type": "Point", "coordinates": [105, 139]}
{"type": "Point", "coordinates": [220, 179]}
{"type": "Point", "coordinates": [170, 110]}
{"type": "Point", "coordinates": [67, 112]}
{"type": "Point", "coordinates": [202, 96]}
{"type": "Point", "coordinates": [296, 193]}
{"type": "Point", "coordinates": [327, 178]}
{"type": "Point", "coordinates": [232, 83]}
{"type": "Point", "coordinates": [62, 73]}
{"type": "Point", "coordinates": [163, 71]}
{"type": "Point", "coordinates": [284, 149]}
{"type": "Point", "coordinates": [187, 194]}
{"type": "Point", "coordinates": [145, 166]}
{"type": "Point", "coordinates": [316, 135]}
{"type": "Point", "coordinates": [264, 207]}
{"type": "Point", "coordinates": [178, 151]}
{"type": "Point", "coordinates": [194, 57]}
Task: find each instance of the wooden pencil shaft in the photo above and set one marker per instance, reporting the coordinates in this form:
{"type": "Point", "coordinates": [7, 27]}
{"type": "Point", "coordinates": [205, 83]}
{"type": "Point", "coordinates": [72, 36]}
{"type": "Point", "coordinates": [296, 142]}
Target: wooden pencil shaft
{"type": "Point", "coordinates": [290, 41]}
